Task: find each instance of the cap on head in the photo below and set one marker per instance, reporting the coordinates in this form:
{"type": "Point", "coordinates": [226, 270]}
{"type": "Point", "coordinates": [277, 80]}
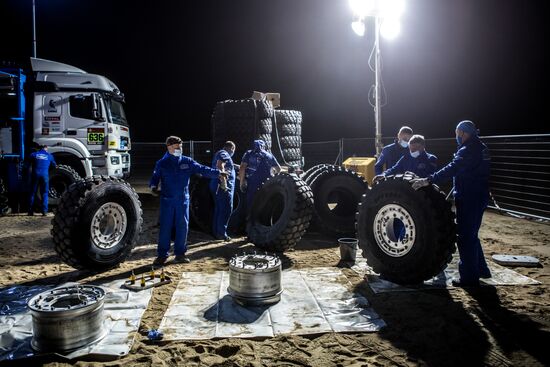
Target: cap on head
{"type": "Point", "coordinates": [468, 127]}
{"type": "Point", "coordinates": [405, 130]}
{"type": "Point", "coordinates": [259, 144]}
{"type": "Point", "coordinates": [173, 140]}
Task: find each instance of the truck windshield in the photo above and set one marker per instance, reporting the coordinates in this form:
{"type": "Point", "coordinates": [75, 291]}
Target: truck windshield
{"type": "Point", "coordinates": [117, 112]}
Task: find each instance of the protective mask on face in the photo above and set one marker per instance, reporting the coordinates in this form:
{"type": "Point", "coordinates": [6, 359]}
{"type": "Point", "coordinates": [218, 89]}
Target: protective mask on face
{"type": "Point", "coordinates": [459, 140]}
{"type": "Point", "coordinates": [404, 143]}
{"type": "Point", "coordinates": [177, 153]}
{"type": "Point", "coordinates": [415, 154]}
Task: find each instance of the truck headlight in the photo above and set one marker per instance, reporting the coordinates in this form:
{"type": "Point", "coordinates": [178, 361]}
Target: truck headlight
{"type": "Point", "coordinates": [115, 160]}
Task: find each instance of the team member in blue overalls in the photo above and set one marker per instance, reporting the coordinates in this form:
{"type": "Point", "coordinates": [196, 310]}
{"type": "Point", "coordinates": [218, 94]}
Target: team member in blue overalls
{"type": "Point", "coordinates": [417, 160]}
{"type": "Point", "coordinates": [173, 172]}
{"type": "Point", "coordinates": [223, 196]}
{"type": "Point", "coordinates": [393, 152]}
{"type": "Point", "coordinates": [470, 170]}
{"type": "Point", "coordinates": [255, 169]}
{"type": "Point", "coordinates": [40, 162]}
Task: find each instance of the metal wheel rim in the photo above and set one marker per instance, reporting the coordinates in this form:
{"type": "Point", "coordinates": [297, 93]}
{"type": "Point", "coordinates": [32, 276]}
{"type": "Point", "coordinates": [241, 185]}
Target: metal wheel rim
{"type": "Point", "coordinates": [384, 222]}
{"type": "Point", "coordinates": [108, 225]}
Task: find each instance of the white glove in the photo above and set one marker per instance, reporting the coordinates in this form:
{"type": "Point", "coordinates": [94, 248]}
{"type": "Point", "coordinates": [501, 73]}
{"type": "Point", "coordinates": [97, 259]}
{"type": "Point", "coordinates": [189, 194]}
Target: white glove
{"type": "Point", "coordinates": [378, 178]}
{"type": "Point", "coordinates": [154, 191]}
{"type": "Point", "coordinates": [418, 183]}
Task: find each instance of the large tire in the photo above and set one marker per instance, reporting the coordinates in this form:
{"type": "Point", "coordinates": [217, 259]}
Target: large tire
{"type": "Point", "coordinates": [427, 243]}
{"type": "Point", "coordinates": [87, 230]}
{"type": "Point", "coordinates": [201, 208]}
{"type": "Point", "coordinates": [311, 173]}
{"type": "Point", "coordinates": [4, 205]}
{"type": "Point", "coordinates": [337, 193]}
{"type": "Point", "coordinates": [61, 178]}
{"type": "Point", "coordinates": [280, 213]}
{"type": "Point", "coordinates": [241, 121]}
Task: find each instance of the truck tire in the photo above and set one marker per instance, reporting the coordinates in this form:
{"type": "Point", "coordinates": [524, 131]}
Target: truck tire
{"type": "Point", "coordinates": [426, 242]}
{"type": "Point", "coordinates": [97, 223]}
{"type": "Point", "coordinates": [312, 172]}
{"type": "Point", "coordinates": [280, 213]}
{"type": "Point", "coordinates": [337, 193]}
{"type": "Point", "coordinates": [201, 208]}
{"type": "Point", "coordinates": [61, 178]}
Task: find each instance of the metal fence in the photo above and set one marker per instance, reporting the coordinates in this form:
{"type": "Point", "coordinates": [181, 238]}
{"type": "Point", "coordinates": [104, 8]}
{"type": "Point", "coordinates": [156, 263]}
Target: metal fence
{"type": "Point", "coordinates": [520, 165]}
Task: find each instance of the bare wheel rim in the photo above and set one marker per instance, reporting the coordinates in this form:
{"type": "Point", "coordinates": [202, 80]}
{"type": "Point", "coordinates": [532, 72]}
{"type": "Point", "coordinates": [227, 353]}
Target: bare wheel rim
{"type": "Point", "coordinates": [394, 230]}
{"type": "Point", "coordinates": [108, 225]}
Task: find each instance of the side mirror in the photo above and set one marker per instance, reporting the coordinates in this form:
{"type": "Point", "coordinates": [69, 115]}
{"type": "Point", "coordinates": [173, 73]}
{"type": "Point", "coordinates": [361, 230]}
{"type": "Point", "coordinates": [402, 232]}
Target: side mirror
{"type": "Point", "coordinates": [97, 110]}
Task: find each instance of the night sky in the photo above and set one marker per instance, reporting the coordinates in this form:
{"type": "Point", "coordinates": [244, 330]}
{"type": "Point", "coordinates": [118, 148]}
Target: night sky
{"type": "Point", "coordinates": [478, 59]}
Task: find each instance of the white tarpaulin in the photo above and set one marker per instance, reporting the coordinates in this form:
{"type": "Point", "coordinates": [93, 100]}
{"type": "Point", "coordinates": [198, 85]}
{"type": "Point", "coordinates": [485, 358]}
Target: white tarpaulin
{"type": "Point", "coordinates": [500, 276]}
{"type": "Point", "coordinates": [314, 301]}
{"type": "Point", "coordinates": [122, 308]}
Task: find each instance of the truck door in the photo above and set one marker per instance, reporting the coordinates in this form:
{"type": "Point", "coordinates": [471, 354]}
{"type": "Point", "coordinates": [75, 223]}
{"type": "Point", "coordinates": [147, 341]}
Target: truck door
{"type": "Point", "coordinates": [86, 121]}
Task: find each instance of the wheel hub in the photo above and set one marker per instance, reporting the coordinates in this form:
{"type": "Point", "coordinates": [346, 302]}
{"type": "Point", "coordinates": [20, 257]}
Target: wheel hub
{"type": "Point", "coordinates": [108, 225]}
{"type": "Point", "coordinates": [394, 230]}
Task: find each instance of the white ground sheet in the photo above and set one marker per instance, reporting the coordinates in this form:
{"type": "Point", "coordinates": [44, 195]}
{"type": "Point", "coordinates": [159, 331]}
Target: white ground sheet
{"type": "Point", "coordinates": [315, 300]}
{"type": "Point", "coordinates": [500, 276]}
{"type": "Point", "coordinates": [123, 310]}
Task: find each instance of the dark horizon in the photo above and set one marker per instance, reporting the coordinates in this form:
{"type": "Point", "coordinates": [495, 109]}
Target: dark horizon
{"type": "Point", "coordinates": [480, 60]}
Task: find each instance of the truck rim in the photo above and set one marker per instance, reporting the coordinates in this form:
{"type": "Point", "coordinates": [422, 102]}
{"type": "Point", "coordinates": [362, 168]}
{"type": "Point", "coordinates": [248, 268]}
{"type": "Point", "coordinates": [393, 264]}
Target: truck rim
{"type": "Point", "coordinates": [390, 219]}
{"type": "Point", "coordinates": [108, 225]}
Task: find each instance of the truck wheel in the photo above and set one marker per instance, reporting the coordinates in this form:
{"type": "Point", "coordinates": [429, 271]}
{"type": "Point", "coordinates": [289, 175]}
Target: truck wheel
{"type": "Point", "coordinates": [311, 173]}
{"type": "Point", "coordinates": [61, 178]}
{"type": "Point", "coordinates": [337, 192]}
{"type": "Point", "coordinates": [280, 213]}
{"type": "Point", "coordinates": [407, 236]}
{"type": "Point", "coordinates": [97, 223]}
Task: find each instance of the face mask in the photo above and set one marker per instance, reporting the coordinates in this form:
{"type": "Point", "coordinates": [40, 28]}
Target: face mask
{"type": "Point", "coordinates": [177, 153]}
{"type": "Point", "coordinates": [459, 140]}
{"type": "Point", "coordinates": [404, 143]}
{"type": "Point", "coordinates": [415, 154]}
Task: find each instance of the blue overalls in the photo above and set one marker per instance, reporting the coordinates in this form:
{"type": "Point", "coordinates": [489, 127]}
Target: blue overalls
{"type": "Point", "coordinates": [423, 165]}
{"type": "Point", "coordinates": [173, 173]}
{"type": "Point", "coordinates": [223, 200]}
{"type": "Point", "coordinates": [470, 169]}
{"type": "Point", "coordinates": [389, 156]}
{"type": "Point", "coordinates": [40, 162]}
{"type": "Point", "coordinates": [258, 170]}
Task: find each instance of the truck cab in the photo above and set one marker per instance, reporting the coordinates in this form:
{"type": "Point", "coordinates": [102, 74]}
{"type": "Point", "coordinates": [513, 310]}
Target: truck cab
{"type": "Point", "coordinates": [80, 117]}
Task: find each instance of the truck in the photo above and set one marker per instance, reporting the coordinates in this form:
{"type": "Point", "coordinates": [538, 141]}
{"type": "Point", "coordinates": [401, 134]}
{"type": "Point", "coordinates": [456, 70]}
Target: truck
{"type": "Point", "coordinates": [79, 116]}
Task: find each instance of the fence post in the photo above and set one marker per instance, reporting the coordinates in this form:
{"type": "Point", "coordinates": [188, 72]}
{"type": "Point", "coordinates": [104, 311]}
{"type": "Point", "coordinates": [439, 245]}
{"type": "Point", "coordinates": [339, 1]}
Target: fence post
{"type": "Point", "coordinates": [341, 151]}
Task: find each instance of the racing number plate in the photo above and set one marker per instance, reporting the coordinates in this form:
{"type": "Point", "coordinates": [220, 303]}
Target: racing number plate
{"type": "Point", "coordinates": [96, 136]}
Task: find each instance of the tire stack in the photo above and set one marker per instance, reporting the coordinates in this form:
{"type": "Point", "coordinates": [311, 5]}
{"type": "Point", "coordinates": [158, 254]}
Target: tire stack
{"type": "Point", "coordinates": [4, 207]}
{"type": "Point", "coordinates": [421, 244]}
{"type": "Point", "coordinates": [287, 138]}
{"type": "Point", "coordinates": [241, 121]}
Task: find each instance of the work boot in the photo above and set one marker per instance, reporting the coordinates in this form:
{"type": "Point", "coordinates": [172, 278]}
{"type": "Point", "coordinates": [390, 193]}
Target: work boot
{"type": "Point", "coordinates": [182, 259]}
{"type": "Point", "coordinates": [160, 261]}
{"type": "Point", "coordinates": [227, 238]}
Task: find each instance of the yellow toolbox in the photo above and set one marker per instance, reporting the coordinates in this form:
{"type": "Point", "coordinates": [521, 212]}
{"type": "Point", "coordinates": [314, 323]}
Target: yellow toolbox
{"type": "Point", "coordinates": [364, 166]}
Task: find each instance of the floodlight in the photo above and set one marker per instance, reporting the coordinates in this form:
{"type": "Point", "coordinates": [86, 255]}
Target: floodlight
{"type": "Point", "coordinates": [358, 27]}
{"type": "Point", "coordinates": [362, 8]}
{"type": "Point", "coordinates": [390, 28]}
{"type": "Point", "coordinates": [391, 8]}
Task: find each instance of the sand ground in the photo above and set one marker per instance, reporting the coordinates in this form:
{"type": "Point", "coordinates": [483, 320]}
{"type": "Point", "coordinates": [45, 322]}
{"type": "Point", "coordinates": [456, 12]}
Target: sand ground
{"type": "Point", "coordinates": [493, 326]}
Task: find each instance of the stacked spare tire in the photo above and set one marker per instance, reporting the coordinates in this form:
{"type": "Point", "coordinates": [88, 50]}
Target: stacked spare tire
{"type": "Point", "coordinates": [287, 137]}
{"type": "Point", "coordinates": [242, 121]}
{"type": "Point", "coordinates": [406, 235]}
